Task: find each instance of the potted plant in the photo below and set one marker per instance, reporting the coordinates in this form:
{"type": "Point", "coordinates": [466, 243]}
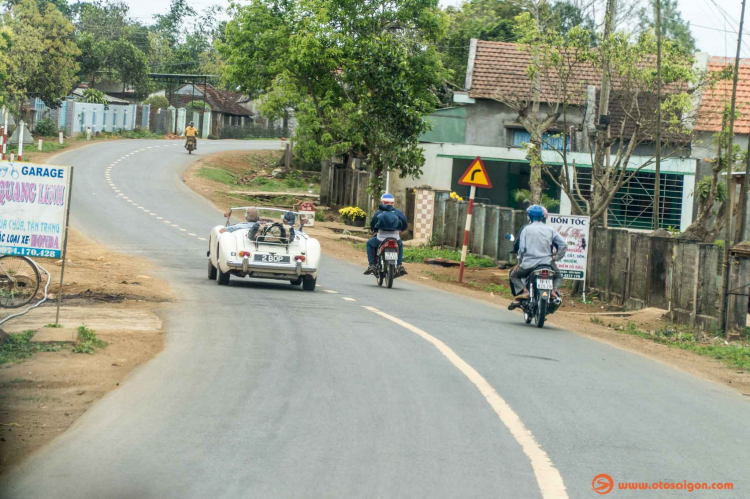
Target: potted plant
{"type": "Point", "coordinates": [352, 215]}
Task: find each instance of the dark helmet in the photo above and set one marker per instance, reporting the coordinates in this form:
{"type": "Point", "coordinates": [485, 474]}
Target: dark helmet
{"type": "Point", "coordinates": [289, 217]}
{"type": "Point", "coordinates": [536, 213]}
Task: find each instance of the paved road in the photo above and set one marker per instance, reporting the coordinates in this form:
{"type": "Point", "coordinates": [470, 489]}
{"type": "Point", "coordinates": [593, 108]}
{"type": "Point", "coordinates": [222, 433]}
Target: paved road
{"type": "Point", "coordinates": [265, 390]}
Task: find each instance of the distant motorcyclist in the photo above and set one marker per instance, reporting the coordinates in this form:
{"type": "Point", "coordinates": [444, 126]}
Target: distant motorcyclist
{"type": "Point", "coordinates": [388, 222]}
{"type": "Point", "coordinates": [191, 131]}
{"type": "Point", "coordinates": [535, 248]}
{"type": "Point", "coordinates": [558, 278]}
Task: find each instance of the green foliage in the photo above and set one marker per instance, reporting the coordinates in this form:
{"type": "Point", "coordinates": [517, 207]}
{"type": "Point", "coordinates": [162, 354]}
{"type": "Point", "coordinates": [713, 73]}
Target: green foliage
{"type": "Point", "coordinates": [319, 217]}
{"type": "Point", "coordinates": [360, 76]}
{"type": "Point", "coordinates": [703, 189]}
{"type": "Point", "coordinates": [418, 255]}
{"type": "Point", "coordinates": [88, 342]}
{"type": "Point", "coordinates": [54, 325]}
{"type": "Point", "coordinates": [94, 96]}
{"type": "Point", "coordinates": [217, 175]}
{"type": "Point", "coordinates": [524, 196]}
{"type": "Point", "coordinates": [41, 54]}
{"type": "Point", "coordinates": [197, 106]}
{"type": "Point", "coordinates": [253, 131]}
{"type": "Point", "coordinates": [157, 102]}
{"type": "Point", "coordinates": [19, 346]}
{"type": "Point", "coordinates": [734, 356]}
{"type": "Point", "coordinates": [499, 289]}
{"type": "Point", "coordinates": [46, 128]}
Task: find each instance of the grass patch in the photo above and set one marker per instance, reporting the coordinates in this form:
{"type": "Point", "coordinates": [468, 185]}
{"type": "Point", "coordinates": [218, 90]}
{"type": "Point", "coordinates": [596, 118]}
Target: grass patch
{"type": "Point", "coordinates": [217, 175]}
{"type": "Point", "coordinates": [87, 341]}
{"type": "Point", "coordinates": [54, 325]}
{"type": "Point", "coordinates": [440, 277]}
{"type": "Point", "coordinates": [47, 146]}
{"type": "Point", "coordinates": [499, 289]}
{"type": "Point", "coordinates": [19, 347]}
{"type": "Point", "coordinates": [122, 134]}
{"type": "Point", "coordinates": [418, 255]}
{"type": "Point", "coordinates": [732, 355]}
{"type": "Point", "coordinates": [596, 320]}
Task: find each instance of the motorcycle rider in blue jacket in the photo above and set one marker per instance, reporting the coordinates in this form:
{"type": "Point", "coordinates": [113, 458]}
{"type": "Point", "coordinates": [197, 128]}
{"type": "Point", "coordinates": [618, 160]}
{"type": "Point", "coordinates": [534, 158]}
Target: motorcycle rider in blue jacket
{"type": "Point", "coordinates": [388, 222]}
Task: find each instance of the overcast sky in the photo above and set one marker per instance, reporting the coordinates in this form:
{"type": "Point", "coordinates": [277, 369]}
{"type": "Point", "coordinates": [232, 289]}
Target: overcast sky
{"type": "Point", "coordinates": [715, 33]}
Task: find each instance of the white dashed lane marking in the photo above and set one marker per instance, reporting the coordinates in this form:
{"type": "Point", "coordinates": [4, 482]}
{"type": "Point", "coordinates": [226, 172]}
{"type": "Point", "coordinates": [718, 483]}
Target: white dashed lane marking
{"type": "Point", "coordinates": [349, 299]}
{"type": "Point", "coordinates": [331, 291]}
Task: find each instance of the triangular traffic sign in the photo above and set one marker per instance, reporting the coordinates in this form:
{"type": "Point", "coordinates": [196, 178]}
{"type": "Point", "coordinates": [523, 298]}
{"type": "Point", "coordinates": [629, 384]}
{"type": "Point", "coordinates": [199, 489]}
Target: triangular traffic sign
{"type": "Point", "coordinates": [476, 175]}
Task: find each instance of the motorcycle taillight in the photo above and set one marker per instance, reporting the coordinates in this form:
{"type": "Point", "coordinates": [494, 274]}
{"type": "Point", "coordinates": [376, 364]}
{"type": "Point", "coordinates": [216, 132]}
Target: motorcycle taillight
{"type": "Point", "coordinates": [390, 244]}
{"type": "Point", "coordinates": [545, 274]}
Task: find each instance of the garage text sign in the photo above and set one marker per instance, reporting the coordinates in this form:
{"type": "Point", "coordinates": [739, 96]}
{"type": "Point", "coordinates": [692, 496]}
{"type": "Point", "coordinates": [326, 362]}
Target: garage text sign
{"type": "Point", "coordinates": [575, 230]}
{"type": "Point", "coordinates": [33, 202]}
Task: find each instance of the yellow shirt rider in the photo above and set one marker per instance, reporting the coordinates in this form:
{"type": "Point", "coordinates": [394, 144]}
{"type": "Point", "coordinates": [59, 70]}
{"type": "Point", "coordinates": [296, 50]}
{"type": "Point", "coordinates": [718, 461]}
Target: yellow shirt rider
{"type": "Point", "coordinates": [191, 131]}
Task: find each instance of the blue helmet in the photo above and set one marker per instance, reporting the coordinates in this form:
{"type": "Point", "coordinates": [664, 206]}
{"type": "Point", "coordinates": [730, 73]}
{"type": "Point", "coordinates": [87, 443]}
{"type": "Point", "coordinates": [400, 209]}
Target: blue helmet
{"type": "Point", "coordinates": [388, 198]}
{"type": "Point", "coordinates": [536, 213]}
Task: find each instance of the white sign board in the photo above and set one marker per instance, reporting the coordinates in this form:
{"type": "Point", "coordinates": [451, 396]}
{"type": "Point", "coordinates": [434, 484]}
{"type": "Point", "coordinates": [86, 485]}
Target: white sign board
{"type": "Point", "coordinates": [306, 212]}
{"type": "Point", "coordinates": [33, 202]}
{"type": "Point", "coordinates": [575, 230]}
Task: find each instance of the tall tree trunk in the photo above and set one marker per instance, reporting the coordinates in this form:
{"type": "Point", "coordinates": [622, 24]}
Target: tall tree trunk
{"type": "Point", "coordinates": [536, 184]}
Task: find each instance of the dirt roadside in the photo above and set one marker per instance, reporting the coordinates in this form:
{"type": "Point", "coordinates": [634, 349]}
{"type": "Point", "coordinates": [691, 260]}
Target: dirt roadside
{"type": "Point", "coordinates": [574, 315]}
{"type": "Point", "coordinates": [113, 294]}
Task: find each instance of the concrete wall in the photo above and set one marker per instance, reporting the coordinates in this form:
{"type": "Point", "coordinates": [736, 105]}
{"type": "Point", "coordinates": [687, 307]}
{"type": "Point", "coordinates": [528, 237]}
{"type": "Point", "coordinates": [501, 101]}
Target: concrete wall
{"type": "Point", "coordinates": [680, 277]}
{"type": "Point", "coordinates": [487, 122]}
{"type": "Point", "coordinates": [81, 115]}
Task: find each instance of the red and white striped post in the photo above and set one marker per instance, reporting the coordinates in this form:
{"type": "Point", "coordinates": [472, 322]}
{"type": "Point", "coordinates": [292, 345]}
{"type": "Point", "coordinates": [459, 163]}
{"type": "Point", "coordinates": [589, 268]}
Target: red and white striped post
{"type": "Point", "coordinates": [474, 176]}
{"type": "Point", "coordinates": [465, 249]}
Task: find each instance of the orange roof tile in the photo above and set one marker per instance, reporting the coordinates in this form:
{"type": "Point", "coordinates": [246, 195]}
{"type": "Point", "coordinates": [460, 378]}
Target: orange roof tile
{"type": "Point", "coordinates": [714, 98]}
{"type": "Point", "coordinates": [501, 66]}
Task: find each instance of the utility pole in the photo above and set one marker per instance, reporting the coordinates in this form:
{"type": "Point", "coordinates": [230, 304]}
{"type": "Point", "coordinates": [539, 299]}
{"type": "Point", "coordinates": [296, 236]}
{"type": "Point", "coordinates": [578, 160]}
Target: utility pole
{"type": "Point", "coordinates": [657, 179]}
{"type": "Point", "coordinates": [730, 188]}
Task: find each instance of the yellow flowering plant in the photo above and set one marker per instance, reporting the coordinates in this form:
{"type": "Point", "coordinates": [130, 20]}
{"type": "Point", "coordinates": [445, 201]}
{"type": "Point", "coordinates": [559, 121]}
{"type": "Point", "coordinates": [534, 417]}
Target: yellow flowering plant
{"type": "Point", "coordinates": [352, 213]}
{"type": "Point", "coordinates": [456, 197]}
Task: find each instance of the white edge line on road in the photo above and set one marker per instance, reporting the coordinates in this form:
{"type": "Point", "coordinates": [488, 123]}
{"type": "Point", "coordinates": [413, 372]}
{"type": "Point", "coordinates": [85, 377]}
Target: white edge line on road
{"type": "Point", "coordinates": [548, 477]}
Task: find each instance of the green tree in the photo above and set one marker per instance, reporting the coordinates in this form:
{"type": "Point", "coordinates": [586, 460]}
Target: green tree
{"type": "Point", "coordinates": [157, 101]}
{"type": "Point", "coordinates": [673, 26]}
{"type": "Point", "coordinates": [170, 24]}
{"type": "Point", "coordinates": [360, 76]}
{"type": "Point", "coordinates": [41, 56]}
{"type": "Point", "coordinates": [94, 96]}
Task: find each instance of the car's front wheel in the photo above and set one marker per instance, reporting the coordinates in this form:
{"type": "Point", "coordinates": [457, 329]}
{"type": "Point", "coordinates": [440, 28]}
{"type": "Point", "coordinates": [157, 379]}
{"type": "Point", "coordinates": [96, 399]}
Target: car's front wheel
{"type": "Point", "coordinates": [211, 270]}
{"type": "Point", "coordinates": [309, 283]}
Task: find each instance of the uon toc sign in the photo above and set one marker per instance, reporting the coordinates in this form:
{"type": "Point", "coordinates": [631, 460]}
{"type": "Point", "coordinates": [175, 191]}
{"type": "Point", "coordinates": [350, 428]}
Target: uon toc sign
{"type": "Point", "coordinates": [575, 230]}
{"type": "Point", "coordinates": [306, 212]}
{"type": "Point", "coordinates": [33, 204]}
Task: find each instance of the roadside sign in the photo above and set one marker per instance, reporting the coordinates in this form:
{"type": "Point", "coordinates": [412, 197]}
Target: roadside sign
{"type": "Point", "coordinates": [476, 175]}
{"type": "Point", "coordinates": [307, 212]}
{"type": "Point", "coordinates": [575, 230]}
{"type": "Point", "coordinates": [33, 205]}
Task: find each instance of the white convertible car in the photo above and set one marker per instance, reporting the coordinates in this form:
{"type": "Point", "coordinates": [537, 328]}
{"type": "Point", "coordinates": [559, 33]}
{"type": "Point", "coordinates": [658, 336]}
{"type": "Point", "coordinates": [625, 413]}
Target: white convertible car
{"type": "Point", "coordinates": [271, 248]}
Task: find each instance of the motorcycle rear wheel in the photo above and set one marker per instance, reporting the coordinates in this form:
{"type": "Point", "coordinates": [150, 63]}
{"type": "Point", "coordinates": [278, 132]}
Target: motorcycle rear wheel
{"type": "Point", "coordinates": [541, 313]}
{"type": "Point", "coordinates": [379, 274]}
{"type": "Point", "coordinates": [389, 275]}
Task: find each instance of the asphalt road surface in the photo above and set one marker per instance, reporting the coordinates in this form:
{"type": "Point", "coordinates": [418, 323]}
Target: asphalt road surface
{"type": "Point", "coordinates": [265, 390]}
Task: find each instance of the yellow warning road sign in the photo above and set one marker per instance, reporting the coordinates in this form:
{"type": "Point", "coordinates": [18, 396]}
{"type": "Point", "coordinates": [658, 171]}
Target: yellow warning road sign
{"type": "Point", "coordinates": [476, 175]}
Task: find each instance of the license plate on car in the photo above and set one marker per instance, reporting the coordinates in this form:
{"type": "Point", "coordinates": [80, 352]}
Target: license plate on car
{"type": "Point", "coordinates": [271, 258]}
{"type": "Point", "coordinates": [391, 255]}
{"type": "Point", "coordinates": [544, 283]}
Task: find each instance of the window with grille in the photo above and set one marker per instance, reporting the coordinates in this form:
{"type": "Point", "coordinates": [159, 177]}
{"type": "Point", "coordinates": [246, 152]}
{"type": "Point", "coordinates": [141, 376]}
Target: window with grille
{"type": "Point", "coordinates": [633, 205]}
{"type": "Point", "coordinates": [550, 141]}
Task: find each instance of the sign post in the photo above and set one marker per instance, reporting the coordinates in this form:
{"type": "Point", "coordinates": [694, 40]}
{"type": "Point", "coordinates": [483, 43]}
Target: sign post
{"type": "Point", "coordinates": [575, 230]}
{"type": "Point", "coordinates": [307, 213]}
{"type": "Point", "coordinates": [65, 248]}
{"type": "Point", "coordinates": [474, 176]}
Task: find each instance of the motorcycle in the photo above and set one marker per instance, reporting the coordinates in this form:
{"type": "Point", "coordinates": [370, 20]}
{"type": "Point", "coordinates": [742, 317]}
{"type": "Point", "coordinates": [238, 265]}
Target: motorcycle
{"type": "Point", "coordinates": [387, 262]}
{"type": "Point", "coordinates": [540, 303]}
{"type": "Point", "coordinates": [190, 145]}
